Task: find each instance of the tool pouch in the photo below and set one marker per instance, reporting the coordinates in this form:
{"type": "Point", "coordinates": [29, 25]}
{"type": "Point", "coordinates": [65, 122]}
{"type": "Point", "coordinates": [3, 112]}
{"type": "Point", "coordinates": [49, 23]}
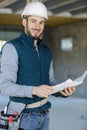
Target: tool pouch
{"type": "Point", "coordinates": [5, 123]}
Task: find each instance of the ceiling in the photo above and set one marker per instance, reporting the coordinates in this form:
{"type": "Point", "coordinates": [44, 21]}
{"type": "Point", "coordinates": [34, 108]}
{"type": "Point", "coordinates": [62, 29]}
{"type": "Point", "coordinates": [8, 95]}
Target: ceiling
{"type": "Point", "coordinates": [57, 9]}
{"type": "Point", "coordinates": [67, 7]}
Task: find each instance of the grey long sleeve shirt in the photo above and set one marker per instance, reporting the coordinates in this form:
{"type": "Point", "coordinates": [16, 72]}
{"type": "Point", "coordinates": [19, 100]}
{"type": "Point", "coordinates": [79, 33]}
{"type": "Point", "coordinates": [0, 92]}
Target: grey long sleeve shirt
{"type": "Point", "coordinates": [9, 68]}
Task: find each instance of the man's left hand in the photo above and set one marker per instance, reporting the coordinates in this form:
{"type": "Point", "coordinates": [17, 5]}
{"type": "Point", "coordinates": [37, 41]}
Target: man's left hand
{"type": "Point", "coordinates": [68, 91]}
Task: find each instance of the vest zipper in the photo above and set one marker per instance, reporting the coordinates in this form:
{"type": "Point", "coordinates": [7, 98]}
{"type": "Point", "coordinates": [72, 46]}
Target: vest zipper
{"type": "Point", "coordinates": [36, 47]}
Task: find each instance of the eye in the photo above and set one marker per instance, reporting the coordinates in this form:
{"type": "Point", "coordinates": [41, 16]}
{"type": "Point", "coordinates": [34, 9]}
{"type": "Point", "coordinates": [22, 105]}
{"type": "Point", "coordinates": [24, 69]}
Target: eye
{"type": "Point", "coordinates": [33, 21]}
{"type": "Point", "coordinates": [42, 22]}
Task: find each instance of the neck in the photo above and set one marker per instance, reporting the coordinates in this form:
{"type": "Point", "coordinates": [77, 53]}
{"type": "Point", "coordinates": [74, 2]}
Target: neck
{"type": "Point", "coordinates": [35, 42]}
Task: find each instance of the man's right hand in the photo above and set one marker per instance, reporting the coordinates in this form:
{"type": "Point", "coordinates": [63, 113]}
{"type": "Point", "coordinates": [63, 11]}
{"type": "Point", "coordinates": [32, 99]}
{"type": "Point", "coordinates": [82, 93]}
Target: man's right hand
{"type": "Point", "coordinates": [42, 91]}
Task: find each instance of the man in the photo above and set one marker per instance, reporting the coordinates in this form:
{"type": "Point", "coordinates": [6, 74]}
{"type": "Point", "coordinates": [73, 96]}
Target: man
{"type": "Point", "coordinates": [27, 70]}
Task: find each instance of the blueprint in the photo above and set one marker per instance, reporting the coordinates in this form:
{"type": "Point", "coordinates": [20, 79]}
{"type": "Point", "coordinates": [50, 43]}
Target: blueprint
{"type": "Point", "coordinates": [69, 83]}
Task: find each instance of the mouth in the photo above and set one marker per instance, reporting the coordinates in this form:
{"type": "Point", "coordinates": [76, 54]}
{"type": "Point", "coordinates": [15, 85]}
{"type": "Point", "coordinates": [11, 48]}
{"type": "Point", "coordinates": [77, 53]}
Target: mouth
{"type": "Point", "coordinates": [36, 32]}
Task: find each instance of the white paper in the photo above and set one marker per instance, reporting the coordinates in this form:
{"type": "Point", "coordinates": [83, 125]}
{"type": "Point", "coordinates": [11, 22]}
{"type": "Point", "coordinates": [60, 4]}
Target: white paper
{"type": "Point", "coordinates": [69, 83]}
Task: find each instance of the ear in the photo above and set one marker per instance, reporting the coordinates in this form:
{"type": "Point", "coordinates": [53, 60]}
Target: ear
{"type": "Point", "coordinates": [24, 22]}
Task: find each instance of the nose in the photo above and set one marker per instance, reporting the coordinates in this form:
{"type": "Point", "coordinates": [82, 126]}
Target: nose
{"type": "Point", "coordinates": [37, 25]}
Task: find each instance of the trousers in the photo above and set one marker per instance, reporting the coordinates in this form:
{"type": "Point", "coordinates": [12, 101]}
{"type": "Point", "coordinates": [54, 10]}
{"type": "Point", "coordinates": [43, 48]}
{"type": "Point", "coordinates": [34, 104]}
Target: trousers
{"type": "Point", "coordinates": [34, 121]}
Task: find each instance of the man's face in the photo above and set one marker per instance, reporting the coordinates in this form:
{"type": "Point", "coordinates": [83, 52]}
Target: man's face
{"type": "Point", "coordinates": [34, 26]}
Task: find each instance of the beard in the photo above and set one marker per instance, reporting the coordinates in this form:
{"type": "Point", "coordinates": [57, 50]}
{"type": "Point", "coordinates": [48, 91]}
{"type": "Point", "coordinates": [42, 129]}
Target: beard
{"type": "Point", "coordinates": [27, 30]}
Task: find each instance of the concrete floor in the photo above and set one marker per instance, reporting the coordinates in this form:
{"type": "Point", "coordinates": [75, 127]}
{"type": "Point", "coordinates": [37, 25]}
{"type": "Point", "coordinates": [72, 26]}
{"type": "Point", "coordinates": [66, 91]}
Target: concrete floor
{"type": "Point", "coordinates": [66, 113]}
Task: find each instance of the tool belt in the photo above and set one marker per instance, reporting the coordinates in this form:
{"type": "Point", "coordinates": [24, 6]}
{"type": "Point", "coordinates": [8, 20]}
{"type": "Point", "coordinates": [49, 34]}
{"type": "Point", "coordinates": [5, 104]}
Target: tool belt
{"type": "Point", "coordinates": [9, 121]}
{"type": "Point", "coordinates": [10, 118]}
{"type": "Point", "coordinates": [5, 118]}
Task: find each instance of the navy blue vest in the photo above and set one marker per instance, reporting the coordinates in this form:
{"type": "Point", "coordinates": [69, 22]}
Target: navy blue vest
{"type": "Point", "coordinates": [32, 70]}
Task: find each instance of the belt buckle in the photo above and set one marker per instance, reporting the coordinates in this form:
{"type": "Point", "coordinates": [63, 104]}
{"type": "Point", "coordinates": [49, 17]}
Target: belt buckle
{"type": "Point", "coordinates": [45, 111]}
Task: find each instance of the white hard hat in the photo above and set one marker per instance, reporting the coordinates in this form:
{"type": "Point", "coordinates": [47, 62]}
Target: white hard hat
{"type": "Point", "coordinates": [35, 8]}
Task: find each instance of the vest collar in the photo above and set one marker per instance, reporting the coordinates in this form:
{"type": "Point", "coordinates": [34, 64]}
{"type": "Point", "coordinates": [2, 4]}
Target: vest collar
{"type": "Point", "coordinates": [30, 40]}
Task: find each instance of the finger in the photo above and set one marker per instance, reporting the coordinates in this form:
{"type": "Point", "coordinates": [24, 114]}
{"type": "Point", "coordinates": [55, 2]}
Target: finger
{"type": "Point", "coordinates": [48, 92]}
{"type": "Point", "coordinates": [62, 92]}
{"type": "Point", "coordinates": [50, 88]}
{"type": "Point", "coordinates": [66, 92]}
{"type": "Point", "coordinates": [70, 90]}
{"type": "Point", "coordinates": [73, 89]}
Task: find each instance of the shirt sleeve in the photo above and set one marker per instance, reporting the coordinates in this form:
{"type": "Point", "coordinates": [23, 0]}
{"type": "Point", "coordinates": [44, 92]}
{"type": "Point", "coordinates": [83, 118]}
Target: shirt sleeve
{"type": "Point", "coordinates": [51, 74]}
{"type": "Point", "coordinates": [53, 81]}
{"type": "Point", "coordinates": [9, 68]}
